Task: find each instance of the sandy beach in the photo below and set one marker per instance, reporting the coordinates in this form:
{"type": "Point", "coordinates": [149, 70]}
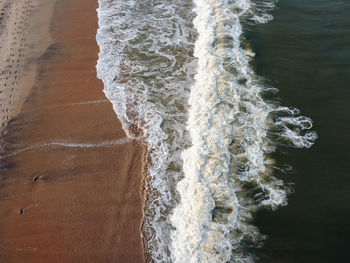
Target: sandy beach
{"type": "Point", "coordinates": [24, 31]}
{"type": "Point", "coordinates": [71, 181]}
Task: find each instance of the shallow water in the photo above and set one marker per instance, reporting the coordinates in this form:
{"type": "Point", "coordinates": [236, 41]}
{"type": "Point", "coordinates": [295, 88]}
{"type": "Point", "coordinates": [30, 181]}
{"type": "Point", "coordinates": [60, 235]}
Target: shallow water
{"type": "Point", "coordinates": [304, 52]}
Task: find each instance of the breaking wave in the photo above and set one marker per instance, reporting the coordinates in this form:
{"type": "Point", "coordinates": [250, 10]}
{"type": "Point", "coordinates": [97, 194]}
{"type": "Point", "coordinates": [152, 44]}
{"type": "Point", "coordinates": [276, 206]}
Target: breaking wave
{"type": "Point", "coordinates": [179, 78]}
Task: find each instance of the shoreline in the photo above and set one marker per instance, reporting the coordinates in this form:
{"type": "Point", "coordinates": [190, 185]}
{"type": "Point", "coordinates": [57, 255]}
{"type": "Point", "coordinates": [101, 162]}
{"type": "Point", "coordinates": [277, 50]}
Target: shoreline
{"type": "Point", "coordinates": [72, 186]}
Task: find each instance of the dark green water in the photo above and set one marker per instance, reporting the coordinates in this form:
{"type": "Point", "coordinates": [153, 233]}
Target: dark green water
{"type": "Point", "coordinates": [305, 53]}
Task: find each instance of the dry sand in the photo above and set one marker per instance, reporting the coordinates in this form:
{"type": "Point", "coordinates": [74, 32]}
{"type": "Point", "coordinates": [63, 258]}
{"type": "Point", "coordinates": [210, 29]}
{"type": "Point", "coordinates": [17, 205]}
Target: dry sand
{"type": "Point", "coordinates": [70, 180]}
{"type": "Point", "coordinates": [24, 37]}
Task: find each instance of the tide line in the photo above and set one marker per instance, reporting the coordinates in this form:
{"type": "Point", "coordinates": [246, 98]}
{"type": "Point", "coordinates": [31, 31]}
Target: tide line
{"type": "Point", "coordinates": [69, 144]}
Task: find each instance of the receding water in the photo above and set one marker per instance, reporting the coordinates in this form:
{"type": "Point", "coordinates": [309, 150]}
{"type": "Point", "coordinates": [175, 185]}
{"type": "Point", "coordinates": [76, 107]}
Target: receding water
{"type": "Point", "coordinates": [305, 53]}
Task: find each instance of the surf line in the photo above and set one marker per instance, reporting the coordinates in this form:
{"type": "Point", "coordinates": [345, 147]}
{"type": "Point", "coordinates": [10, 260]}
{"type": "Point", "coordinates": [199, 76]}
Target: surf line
{"type": "Point", "coordinates": [229, 125]}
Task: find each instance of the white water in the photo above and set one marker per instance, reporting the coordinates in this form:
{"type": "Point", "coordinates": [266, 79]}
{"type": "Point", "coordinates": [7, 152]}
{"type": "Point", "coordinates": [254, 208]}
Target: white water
{"type": "Point", "coordinates": [206, 179]}
{"type": "Point", "coordinates": [229, 125]}
{"type": "Point", "coordinates": [147, 68]}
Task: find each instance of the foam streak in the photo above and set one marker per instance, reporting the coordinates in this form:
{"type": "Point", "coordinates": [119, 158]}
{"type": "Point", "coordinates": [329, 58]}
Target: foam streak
{"type": "Point", "coordinates": [69, 144]}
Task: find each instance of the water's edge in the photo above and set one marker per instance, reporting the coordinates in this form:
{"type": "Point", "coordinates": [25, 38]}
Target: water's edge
{"type": "Point", "coordinates": [179, 78]}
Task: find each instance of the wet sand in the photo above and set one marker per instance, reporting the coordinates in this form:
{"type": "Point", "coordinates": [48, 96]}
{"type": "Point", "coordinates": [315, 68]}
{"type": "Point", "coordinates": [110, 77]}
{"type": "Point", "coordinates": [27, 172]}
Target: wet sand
{"type": "Point", "coordinates": [70, 180]}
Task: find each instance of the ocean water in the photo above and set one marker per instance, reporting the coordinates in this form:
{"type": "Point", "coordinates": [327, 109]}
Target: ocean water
{"type": "Point", "coordinates": [219, 91]}
{"type": "Point", "coordinates": [304, 52]}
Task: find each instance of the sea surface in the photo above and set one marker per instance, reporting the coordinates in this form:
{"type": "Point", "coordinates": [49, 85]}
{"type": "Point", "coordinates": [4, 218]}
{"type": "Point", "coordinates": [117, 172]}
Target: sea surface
{"type": "Point", "coordinates": [305, 53]}
{"type": "Point", "coordinates": [243, 107]}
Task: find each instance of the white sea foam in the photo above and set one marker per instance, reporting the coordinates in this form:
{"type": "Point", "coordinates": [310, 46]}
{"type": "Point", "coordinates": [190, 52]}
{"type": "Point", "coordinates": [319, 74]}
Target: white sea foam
{"type": "Point", "coordinates": [146, 64]}
{"type": "Point", "coordinates": [229, 125]}
{"type": "Point", "coordinates": [206, 180]}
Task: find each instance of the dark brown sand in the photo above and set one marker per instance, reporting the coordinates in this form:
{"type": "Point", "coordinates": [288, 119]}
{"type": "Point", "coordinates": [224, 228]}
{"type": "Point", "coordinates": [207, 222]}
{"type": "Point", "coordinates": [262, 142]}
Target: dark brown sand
{"type": "Point", "coordinates": [70, 180]}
